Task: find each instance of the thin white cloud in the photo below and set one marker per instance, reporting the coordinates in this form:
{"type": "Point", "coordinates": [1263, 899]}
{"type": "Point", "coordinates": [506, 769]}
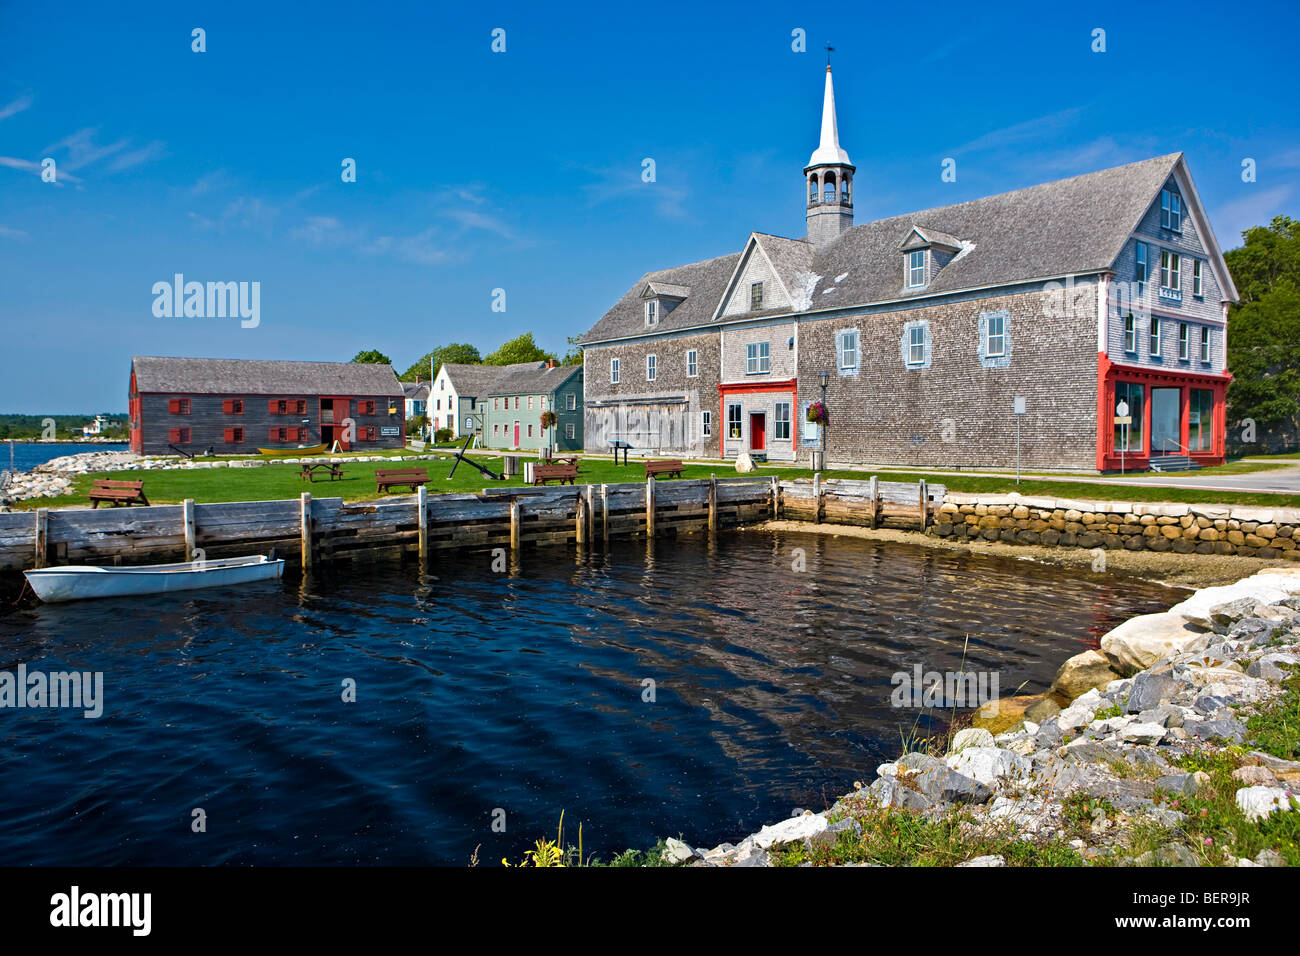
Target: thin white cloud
{"type": "Point", "coordinates": [8, 233]}
{"type": "Point", "coordinates": [134, 158]}
{"type": "Point", "coordinates": [13, 107]}
{"type": "Point", "coordinates": [624, 183]}
{"type": "Point", "coordinates": [29, 166]}
{"type": "Point", "coordinates": [1256, 208]}
{"type": "Point", "coordinates": [1029, 130]}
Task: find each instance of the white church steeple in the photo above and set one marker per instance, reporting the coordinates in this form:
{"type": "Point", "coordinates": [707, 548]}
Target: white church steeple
{"type": "Point", "coordinates": [829, 177]}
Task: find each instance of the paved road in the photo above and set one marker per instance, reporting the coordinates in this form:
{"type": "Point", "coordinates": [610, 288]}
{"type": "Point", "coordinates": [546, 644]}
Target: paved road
{"type": "Point", "coordinates": [1285, 480]}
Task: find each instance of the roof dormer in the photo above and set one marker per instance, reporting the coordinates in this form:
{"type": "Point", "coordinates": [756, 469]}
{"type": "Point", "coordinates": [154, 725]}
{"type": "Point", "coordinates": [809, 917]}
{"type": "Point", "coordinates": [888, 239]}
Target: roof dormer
{"type": "Point", "coordinates": [660, 298]}
{"type": "Point", "coordinates": [925, 251]}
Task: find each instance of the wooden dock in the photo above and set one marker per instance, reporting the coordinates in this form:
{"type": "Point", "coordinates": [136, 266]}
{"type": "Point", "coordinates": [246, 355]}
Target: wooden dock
{"type": "Point", "coordinates": [316, 530]}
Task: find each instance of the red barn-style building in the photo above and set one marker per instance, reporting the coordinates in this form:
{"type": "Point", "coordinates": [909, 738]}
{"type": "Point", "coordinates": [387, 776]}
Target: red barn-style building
{"type": "Point", "coordinates": [235, 406]}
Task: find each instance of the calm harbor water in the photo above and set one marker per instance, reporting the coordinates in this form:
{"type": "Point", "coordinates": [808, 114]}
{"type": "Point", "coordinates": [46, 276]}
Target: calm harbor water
{"type": "Point", "coordinates": [27, 455]}
{"type": "Point", "coordinates": [478, 690]}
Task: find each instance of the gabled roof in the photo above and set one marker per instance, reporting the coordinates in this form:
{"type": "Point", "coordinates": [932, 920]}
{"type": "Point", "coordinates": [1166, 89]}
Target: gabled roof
{"type": "Point", "coordinates": [925, 236]}
{"type": "Point", "coordinates": [706, 280]}
{"type": "Point", "coordinates": [416, 391]}
{"type": "Point", "coordinates": [471, 381]}
{"type": "Point", "coordinates": [534, 378]}
{"type": "Point", "coordinates": [1075, 226]}
{"type": "Point", "coordinates": [155, 373]}
{"type": "Point", "coordinates": [665, 289]}
{"type": "Point", "coordinates": [787, 257]}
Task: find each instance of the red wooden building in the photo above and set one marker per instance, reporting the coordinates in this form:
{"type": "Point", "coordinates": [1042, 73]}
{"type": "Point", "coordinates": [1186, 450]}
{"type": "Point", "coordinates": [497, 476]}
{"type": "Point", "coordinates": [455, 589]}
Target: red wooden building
{"type": "Point", "coordinates": [235, 406]}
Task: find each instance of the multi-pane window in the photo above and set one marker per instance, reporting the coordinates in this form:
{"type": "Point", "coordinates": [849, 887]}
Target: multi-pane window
{"type": "Point", "coordinates": [613, 371]}
{"type": "Point", "coordinates": [1169, 266]}
{"type": "Point", "coordinates": [692, 363]}
{"type": "Point", "coordinates": [758, 358]}
{"type": "Point", "coordinates": [997, 334]}
{"type": "Point", "coordinates": [1131, 394]}
{"type": "Point", "coordinates": [570, 431]}
{"type": "Point", "coordinates": [178, 406]}
{"type": "Point", "coordinates": [1198, 277]}
{"type": "Point", "coordinates": [571, 401]}
{"type": "Point", "coordinates": [1184, 341]}
{"type": "Point", "coordinates": [916, 345]}
{"type": "Point", "coordinates": [781, 421]}
{"type": "Point", "coordinates": [1200, 420]}
{"type": "Point", "coordinates": [530, 402]}
{"type": "Point", "coordinates": [1153, 336]}
{"type": "Point", "coordinates": [755, 296]}
{"type": "Point", "coordinates": [651, 362]}
{"type": "Point", "coordinates": [1205, 343]}
{"type": "Point", "coordinates": [651, 312]}
{"type": "Point", "coordinates": [847, 345]}
{"type": "Point", "coordinates": [1130, 333]}
{"type": "Point", "coordinates": [1142, 269]}
{"type": "Point", "coordinates": [706, 423]}
{"type": "Point", "coordinates": [916, 269]}
{"type": "Point", "coordinates": [733, 421]}
{"type": "Point", "coordinates": [1171, 210]}
{"type": "Point", "coordinates": [233, 406]}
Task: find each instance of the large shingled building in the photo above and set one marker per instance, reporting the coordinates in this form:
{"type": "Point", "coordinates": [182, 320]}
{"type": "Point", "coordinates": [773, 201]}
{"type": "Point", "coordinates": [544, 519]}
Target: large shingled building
{"type": "Point", "coordinates": [1076, 295]}
{"type": "Point", "coordinates": [235, 406]}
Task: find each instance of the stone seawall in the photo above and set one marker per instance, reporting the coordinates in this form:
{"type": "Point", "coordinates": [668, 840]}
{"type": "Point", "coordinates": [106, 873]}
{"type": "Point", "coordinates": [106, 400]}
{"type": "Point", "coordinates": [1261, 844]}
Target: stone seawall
{"type": "Point", "coordinates": [1135, 526]}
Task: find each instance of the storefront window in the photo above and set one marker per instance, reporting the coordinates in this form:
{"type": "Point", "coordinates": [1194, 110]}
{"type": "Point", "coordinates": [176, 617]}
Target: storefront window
{"type": "Point", "coordinates": [1200, 420]}
{"type": "Point", "coordinates": [1133, 394]}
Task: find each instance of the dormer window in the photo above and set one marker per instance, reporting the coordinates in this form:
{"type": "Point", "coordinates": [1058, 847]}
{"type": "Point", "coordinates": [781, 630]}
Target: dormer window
{"type": "Point", "coordinates": [1171, 210]}
{"type": "Point", "coordinates": [651, 312]}
{"type": "Point", "coordinates": [756, 297]}
{"type": "Point", "coordinates": [916, 269]}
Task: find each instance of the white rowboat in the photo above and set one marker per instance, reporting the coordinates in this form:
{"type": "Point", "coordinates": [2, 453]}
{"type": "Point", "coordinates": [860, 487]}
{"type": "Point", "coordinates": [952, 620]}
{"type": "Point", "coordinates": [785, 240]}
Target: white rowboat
{"type": "Point", "coordinates": [75, 582]}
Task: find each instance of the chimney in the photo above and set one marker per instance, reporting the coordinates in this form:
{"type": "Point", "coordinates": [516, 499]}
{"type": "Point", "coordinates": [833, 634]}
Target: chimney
{"type": "Point", "coordinates": [550, 363]}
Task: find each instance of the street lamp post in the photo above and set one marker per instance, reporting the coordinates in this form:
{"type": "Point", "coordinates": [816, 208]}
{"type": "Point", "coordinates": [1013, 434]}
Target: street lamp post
{"type": "Point", "coordinates": [824, 379]}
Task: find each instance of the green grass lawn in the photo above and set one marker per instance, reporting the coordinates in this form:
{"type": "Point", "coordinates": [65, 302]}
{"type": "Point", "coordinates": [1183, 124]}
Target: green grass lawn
{"type": "Point", "coordinates": [283, 481]}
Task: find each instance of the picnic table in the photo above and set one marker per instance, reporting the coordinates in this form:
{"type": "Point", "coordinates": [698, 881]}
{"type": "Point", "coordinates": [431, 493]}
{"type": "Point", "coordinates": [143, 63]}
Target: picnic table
{"type": "Point", "coordinates": [332, 470]}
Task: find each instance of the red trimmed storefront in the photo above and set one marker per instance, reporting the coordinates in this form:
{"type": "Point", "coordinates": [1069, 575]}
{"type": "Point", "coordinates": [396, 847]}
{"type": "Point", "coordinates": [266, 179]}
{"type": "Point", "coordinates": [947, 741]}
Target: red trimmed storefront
{"type": "Point", "coordinates": [1188, 412]}
{"type": "Point", "coordinates": [756, 411]}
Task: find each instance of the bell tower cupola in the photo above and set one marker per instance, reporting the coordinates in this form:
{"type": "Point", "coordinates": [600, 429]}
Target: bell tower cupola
{"type": "Point", "coordinates": [829, 179]}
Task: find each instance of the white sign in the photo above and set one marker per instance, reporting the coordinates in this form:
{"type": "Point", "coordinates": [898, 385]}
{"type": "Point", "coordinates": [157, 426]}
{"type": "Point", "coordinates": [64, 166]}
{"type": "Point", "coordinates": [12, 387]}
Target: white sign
{"type": "Point", "coordinates": [1020, 405]}
{"type": "Point", "coordinates": [1121, 409]}
{"type": "Point", "coordinates": [389, 430]}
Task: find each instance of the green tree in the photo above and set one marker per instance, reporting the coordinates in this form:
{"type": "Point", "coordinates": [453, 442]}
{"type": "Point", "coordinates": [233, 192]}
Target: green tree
{"type": "Point", "coordinates": [521, 349]}
{"type": "Point", "coordinates": [1264, 332]}
{"type": "Point", "coordinates": [457, 353]}
{"type": "Point", "coordinates": [574, 355]}
{"type": "Point", "coordinates": [372, 357]}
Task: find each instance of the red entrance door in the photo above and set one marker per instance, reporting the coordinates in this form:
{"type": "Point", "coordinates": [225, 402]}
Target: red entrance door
{"type": "Point", "coordinates": [516, 435]}
{"type": "Point", "coordinates": [757, 431]}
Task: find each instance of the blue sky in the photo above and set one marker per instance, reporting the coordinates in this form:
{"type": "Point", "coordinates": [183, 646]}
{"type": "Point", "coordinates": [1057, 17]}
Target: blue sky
{"type": "Point", "coordinates": [522, 170]}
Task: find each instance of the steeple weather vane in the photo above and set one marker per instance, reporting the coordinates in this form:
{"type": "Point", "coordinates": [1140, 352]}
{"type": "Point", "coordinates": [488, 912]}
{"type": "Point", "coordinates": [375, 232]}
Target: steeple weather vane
{"type": "Point", "coordinates": [829, 50]}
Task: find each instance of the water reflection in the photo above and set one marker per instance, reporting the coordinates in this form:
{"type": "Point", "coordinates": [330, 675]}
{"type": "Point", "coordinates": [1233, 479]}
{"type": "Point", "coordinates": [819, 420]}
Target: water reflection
{"type": "Point", "coordinates": [520, 690]}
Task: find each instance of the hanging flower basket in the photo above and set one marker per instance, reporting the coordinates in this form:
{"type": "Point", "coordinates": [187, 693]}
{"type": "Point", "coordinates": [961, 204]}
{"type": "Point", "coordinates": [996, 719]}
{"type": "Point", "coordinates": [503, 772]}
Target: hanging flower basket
{"type": "Point", "coordinates": [548, 419]}
{"type": "Point", "coordinates": [817, 413]}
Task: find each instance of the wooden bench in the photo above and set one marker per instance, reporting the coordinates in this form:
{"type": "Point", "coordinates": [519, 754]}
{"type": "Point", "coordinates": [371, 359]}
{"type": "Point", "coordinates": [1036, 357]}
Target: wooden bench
{"type": "Point", "coordinates": [117, 492]}
{"type": "Point", "coordinates": [561, 473]}
{"type": "Point", "coordinates": [663, 467]}
{"type": "Point", "coordinates": [331, 471]}
{"type": "Point", "coordinates": [386, 478]}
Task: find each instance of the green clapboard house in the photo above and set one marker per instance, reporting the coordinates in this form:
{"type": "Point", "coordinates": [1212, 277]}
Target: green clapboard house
{"type": "Point", "coordinates": [516, 401]}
